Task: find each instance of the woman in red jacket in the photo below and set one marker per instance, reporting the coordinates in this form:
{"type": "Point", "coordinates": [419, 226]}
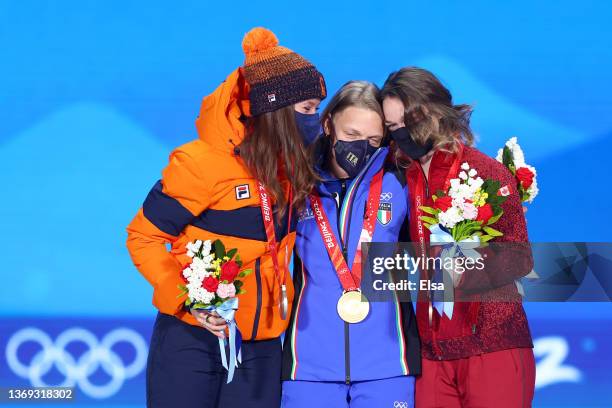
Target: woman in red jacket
{"type": "Point", "coordinates": [482, 356]}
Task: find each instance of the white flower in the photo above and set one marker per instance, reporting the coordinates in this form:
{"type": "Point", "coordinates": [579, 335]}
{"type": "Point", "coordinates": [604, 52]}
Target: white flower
{"type": "Point", "coordinates": [458, 202]}
{"type": "Point", "coordinates": [206, 296]}
{"type": "Point", "coordinates": [463, 175]}
{"type": "Point", "coordinates": [450, 217]}
{"type": "Point", "coordinates": [472, 173]}
{"type": "Point", "coordinates": [465, 166]}
{"type": "Point", "coordinates": [500, 154]}
{"type": "Point", "coordinates": [206, 247]}
{"type": "Point", "coordinates": [187, 272]}
{"type": "Point", "coordinates": [462, 192]}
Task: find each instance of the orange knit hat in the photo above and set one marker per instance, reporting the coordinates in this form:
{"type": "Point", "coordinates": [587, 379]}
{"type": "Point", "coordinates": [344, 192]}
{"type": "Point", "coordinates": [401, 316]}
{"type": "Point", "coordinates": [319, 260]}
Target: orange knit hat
{"type": "Point", "coordinates": [277, 76]}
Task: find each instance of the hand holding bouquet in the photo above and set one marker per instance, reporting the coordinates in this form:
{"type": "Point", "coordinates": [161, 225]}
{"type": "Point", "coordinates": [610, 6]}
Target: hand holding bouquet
{"type": "Point", "coordinates": [212, 283]}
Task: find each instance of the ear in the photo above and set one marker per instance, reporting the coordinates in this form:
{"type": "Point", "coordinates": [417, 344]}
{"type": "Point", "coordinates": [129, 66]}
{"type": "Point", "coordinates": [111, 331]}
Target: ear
{"type": "Point", "coordinates": [327, 126]}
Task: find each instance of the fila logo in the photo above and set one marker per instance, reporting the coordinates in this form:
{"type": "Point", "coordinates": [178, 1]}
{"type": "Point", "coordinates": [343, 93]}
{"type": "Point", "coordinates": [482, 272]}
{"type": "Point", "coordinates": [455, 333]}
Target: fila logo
{"type": "Point", "coordinates": [272, 98]}
{"type": "Point", "coordinates": [243, 192]}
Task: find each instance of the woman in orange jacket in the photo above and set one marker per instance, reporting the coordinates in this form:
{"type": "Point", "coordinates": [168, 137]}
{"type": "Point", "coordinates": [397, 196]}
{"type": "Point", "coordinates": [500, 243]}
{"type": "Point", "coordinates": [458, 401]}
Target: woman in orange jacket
{"type": "Point", "coordinates": [251, 130]}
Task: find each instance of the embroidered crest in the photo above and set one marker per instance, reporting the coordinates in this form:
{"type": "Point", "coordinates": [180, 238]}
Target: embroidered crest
{"type": "Point", "coordinates": [384, 213]}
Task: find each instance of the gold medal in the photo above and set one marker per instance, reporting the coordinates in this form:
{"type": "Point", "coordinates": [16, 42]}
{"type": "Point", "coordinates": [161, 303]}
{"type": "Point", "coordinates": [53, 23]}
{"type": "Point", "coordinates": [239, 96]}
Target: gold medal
{"type": "Point", "coordinates": [284, 304]}
{"type": "Point", "coordinates": [353, 306]}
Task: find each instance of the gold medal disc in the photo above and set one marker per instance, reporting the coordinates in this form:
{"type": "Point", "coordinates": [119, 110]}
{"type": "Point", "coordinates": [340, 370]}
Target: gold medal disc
{"type": "Point", "coordinates": [353, 306]}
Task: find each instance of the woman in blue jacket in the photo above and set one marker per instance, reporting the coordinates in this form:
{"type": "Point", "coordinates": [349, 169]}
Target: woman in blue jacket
{"type": "Point", "coordinates": [340, 352]}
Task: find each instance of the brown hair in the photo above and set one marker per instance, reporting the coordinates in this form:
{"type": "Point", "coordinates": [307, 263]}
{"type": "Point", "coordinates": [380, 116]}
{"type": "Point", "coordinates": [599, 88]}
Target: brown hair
{"type": "Point", "coordinates": [362, 94]}
{"type": "Point", "coordinates": [429, 112]}
{"type": "Point", "coordinates": [273, 146]}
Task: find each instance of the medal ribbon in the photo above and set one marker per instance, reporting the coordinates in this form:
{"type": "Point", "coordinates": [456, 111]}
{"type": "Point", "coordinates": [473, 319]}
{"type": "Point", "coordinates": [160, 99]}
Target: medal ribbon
{"type": "Point", "coordinates": [349, 280]}
{"type": "Point", "coordinates": [266, 212]}
{"type": "Point", "coordinates": [420, 201]}
{"type": "Point", "coordinates": [420, 197]}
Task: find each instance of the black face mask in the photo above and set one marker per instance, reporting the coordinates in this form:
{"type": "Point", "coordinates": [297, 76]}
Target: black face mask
{"type": "Point", "coordinates": [414, 150]}
{"type": "Point", "coordinates": [353, 156]}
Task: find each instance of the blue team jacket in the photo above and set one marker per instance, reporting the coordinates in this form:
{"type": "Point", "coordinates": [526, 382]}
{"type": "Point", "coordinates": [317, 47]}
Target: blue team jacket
{"type": "Point", "coordinates": [319, 346]}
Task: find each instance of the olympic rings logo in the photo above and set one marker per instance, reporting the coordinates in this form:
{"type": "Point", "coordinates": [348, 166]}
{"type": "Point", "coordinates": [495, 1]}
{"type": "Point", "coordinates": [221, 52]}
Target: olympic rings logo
{"type": "Point", "coordinates": [77, 371]}
{"type": "Point", "coordinates": [386, 196]}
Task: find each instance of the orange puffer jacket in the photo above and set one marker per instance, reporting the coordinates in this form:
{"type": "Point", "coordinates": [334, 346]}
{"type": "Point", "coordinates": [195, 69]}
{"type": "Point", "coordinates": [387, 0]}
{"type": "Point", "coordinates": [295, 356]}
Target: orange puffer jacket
{"type": "Point", "coordinates": [205, 193]}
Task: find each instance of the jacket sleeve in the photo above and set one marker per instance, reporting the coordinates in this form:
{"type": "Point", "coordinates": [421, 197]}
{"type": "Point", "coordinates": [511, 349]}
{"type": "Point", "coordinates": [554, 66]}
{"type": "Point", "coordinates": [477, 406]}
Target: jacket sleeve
{"type": "Point", "coordinates": [171, 204]}
{"type": "Point", "coordinates": [509, 257]}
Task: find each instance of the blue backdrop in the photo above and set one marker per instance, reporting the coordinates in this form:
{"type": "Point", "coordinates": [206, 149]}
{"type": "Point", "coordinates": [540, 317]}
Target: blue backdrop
{"type": "Point", "coordinates": [94, 95]}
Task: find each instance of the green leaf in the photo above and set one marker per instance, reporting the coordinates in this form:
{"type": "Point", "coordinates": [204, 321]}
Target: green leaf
{"type": "Point", "coordinates": [238, 284]}
{"type": "Point", "coordinates": [492, 188]}
{"type": "Point", "coordinates": [429, 219]}
{"type": "Point", "coordinates": [507, 157]}
{"type": "Point", "coordinates": [230, 254]}
{"type": "Point", "coordinates": [495, 218]}
{"type": "Point", "coordinates": [245, 273]}
{"type": "Point", "coordinates": [219, 249]}
{"type": "Point", "coordinates": [492, 231]}
{"type": "Point", "coordinates": [485, 238]}
{"type": "Point", "coordinates": [429, 210]}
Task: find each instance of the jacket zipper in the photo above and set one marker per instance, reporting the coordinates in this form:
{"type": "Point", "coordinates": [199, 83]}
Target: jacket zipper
{"type": "Point", "coordinates": [347, 339]}
{"type": "Point", "coordinates": [258, 307]}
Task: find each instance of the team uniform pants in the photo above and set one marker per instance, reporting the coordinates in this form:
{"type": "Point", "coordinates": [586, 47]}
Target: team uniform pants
{"type": "Point", "coordinates": [502, 379]}
{"type": "Point", "coordinates": [395, 392]}
{"type": "Point", "coordinates": [184, 370]}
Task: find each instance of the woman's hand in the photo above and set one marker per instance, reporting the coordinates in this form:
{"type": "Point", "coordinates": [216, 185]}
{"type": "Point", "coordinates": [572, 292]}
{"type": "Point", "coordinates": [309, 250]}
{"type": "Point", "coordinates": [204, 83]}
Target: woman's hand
{"type": "Point", "coordinates": [211, 322]}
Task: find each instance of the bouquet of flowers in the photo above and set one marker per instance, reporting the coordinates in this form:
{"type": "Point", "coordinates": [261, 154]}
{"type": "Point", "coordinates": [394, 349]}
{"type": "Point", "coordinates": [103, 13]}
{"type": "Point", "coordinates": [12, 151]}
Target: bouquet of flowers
{"type": "Point", "coordinates": [468, 209]}
{"type": "Point", "coordinates": [212, 283]}
{"type": "Point", "coordinates": [511, 156]}
{"type": "Point", "coordinates": [460, 221]}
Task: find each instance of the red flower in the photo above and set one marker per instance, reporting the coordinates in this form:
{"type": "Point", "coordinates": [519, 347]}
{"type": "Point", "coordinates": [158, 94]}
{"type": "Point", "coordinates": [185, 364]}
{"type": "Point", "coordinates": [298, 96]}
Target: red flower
{"type": "Point", "coordinates": [484, 213]}
{"type": "Point", "coordinates": [229, 271]}
{"type": "Point", "coordinates": [443, 203]}
{"type": "Point", "coordinates": [525, 176]}
{"type": "Point", "coordinates": [210, 284]}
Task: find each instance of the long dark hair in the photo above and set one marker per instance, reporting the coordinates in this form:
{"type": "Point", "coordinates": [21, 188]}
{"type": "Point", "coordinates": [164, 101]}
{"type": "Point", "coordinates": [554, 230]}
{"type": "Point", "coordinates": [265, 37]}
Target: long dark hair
{"type": "Point", "coordinates": [272, 146]}
{"type": "Point", "coordinates": [429, 112]}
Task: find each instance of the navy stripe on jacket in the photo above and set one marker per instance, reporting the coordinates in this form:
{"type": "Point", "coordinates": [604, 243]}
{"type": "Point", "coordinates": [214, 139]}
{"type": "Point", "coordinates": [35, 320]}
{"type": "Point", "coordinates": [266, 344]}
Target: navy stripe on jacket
{"type": "Point", "coordinates": [165, 212]}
